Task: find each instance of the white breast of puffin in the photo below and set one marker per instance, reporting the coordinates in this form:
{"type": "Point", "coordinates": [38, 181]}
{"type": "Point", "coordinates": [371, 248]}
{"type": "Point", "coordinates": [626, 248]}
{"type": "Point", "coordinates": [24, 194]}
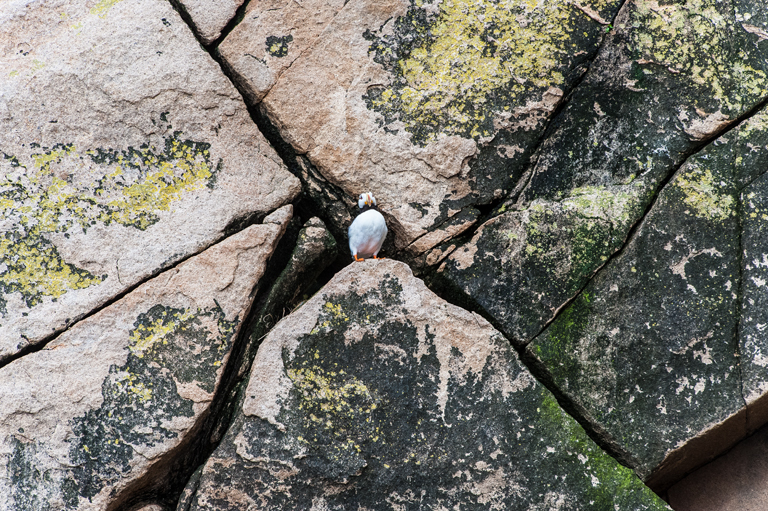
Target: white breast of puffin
{"type": "Point", "coordinates": [367, 233]}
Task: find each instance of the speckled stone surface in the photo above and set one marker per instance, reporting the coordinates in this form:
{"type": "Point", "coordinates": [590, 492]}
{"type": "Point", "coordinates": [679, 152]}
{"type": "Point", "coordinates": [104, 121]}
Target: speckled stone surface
{"type": "Point", "coordinates": [431, 105]}
{"type": "Point", "coordinates": [110, 398]}
{"type": "Point", "coordinates": [123, 150]}
{"type": "Point", "coordinates": [663, 349]}
{"type": "Point", "coordinates": [369, 396]}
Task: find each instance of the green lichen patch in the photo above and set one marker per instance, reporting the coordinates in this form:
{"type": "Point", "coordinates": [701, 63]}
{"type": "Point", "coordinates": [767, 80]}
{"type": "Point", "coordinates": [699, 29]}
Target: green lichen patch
{"type": "Point", "coordinates": [458, 65]}
{"type": "Point", "coordinates": [278, 46]}
{"type": "Point", "coordinates": [63, 190]}
{"type": "Point", "coordinates": [606, 484]}
{"type": "Point", "coordinates": [528, 263]}
{"type": "Point", "coordinates": [648, 348]}
{"type": "Point", "coordinates": [141, 399]}
{"type": "Point", "coordinates": [697, 39]}
{"type": "Point", "coordinates": [705, 196]}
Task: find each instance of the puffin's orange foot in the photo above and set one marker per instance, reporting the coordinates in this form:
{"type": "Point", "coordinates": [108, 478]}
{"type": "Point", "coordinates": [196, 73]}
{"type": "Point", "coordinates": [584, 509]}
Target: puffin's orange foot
{"type": "Point", "coordinates": [374, 256]}
{"type": "Point", "coordinates": [358, 259]}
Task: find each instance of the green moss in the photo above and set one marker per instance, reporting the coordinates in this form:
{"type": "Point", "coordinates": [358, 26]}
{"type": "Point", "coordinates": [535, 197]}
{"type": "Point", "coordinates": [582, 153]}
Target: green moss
{"type": "Point", "coordinates": [562, 337]}
{"type": "Point", "coordinates": [128, 187]}
{"type": "Point", "coordinates": [470, 62]}
{"type": "Point", "coordinates": [607, 484]}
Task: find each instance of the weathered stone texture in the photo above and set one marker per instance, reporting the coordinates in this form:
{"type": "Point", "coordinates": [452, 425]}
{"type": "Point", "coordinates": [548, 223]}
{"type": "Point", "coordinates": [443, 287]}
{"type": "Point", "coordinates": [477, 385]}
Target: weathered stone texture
{"type": "Point", "coordinates": [370, 395]}
{"type": "Point", "coordinates": [655, 349]}
{"type": "Point", "coordinates": [666, 78]}
{"type": "Point", "coordinates": [110, 397]}
{"type": "Point", "coordinates": [209, 17]}
{"type": "Point", "coordinates": [436, 106]}
{"type": "Point", "coordinates": [123, 149]}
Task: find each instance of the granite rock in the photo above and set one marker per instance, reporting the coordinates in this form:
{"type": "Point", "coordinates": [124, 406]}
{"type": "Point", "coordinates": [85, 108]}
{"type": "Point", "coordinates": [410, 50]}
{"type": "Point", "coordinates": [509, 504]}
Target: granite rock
{"type": "Point", "coordinates": [435, 107]}
{"type": "Point", "coordinates": [370, 396]}
{"type": "Point", "coordinates": [114, 396]}
{"type": "Point", "coordinates": [662, 350]}
{"type": "Point", "coordinates": [208, 17]}
{"type": "Point", "coordinates": [667, 78]}
{"type": "Point", "coordinates": [123, 150]}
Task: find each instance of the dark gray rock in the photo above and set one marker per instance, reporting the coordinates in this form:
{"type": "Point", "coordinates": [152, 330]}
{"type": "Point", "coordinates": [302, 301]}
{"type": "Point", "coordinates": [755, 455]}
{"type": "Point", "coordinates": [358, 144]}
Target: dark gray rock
{"type": "Point", "coordinates": [378, 394]}
{"type": "Point", "coordinates": [653, 350]}
{"type": "Point", "coordinates": [667, 79]}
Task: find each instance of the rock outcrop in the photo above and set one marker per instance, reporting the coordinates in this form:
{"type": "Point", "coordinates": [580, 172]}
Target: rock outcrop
{"type": "Point", "coordinates": [436, 106]}
{"type": "Point", "coordinates": [581, 186]}
{"type": "Point", "coordinates": [662, 333]}
{"type": "Point", "coordinates": [123, 150]}
{"type": "Point", "coordinates": [369, 394]}
{"type": "Point", "coordinates": [112, 398]}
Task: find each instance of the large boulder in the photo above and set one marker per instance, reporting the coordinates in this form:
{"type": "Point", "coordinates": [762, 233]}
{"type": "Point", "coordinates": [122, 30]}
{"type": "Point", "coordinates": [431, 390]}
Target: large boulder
{"type": "Point", "coordinates": [123, 150]}
{"type": "Point", "coordinates": [376, 394]}
{"type": "Point", "coordinates": [663, 350]}
{"type": "Point", "coordinates": [434, 107]}
{"type": "Point", "coordinates": [667, 79]}
{"type": "Point", "coordinates": [111, 400]}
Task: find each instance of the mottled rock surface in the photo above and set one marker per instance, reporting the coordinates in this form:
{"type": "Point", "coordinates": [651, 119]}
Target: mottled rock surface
{"type": "Point", "coordinates": [369, 396]}
{"type": "Point", "coordinates": [209, 17]}
{"type": "Point", "coordinates": [667, 78]}
{"type": "Point", "coordinates": [663, 348]}
{"type": "Point", "coordinates": [111, 397]}
{"type": "Point", "coordinates": [123, 150]}
{"type": "Point", "coordinates": [434, 106]}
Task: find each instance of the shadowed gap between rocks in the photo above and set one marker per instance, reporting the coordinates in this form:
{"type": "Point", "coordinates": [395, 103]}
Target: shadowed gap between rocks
{"type": "Point", "coordinates": [335, 207]}
{"type": "Point", "coordinates": [331, 208]}
{"type": "Point", "coordinates": [164, 484]}
{"type": "Point", "coordinates": [335, 204]}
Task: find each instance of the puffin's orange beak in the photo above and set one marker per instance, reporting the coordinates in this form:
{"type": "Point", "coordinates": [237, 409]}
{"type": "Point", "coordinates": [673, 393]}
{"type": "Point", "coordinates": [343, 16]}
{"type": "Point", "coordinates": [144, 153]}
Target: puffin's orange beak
{"type": "Point", "coordinates": [367, 199]}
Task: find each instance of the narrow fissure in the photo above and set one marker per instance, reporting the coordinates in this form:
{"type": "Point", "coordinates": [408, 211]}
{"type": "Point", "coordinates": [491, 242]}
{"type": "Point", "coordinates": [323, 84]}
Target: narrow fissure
{"type": "Point", "coordinates": [230, 26]}
{"type": "Point", "coordinates": [164, 484]}
{"type": "Point", "coordinates": [234, 227]}
{"type": "Point", "coordinates": [308, 206]}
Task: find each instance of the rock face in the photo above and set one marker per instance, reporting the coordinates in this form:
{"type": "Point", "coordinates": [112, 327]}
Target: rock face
{"type": "Point", "coordinates": [667, 78]}
{"type": "Point", "coordinates": [669, 330]}
{"type": "Point", "coordinates": [582, 187]}
{"type": "Point", "coordinates": [369, 393]}
{"type": "Point", "coordinates": [736, 481]}
{"type": "Point", "coordinates": [123, 150]}
{"type": "Point", "coordinates": [435, 106]}
{"type": "Point", "coordinates": [106, 402]}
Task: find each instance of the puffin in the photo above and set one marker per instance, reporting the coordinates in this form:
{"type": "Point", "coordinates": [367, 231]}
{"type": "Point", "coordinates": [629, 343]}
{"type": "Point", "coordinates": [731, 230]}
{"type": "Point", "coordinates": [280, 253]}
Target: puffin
{"type": "Point", "coordinates": [368, 230]}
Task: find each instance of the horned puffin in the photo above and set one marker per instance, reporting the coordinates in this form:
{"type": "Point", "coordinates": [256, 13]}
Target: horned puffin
{"type": "Point", "coordinates": [368, 230]}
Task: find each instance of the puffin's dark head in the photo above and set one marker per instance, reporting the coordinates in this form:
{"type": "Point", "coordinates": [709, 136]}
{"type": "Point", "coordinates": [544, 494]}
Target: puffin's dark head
{"type": "Point", "coordinates": [366, 200]}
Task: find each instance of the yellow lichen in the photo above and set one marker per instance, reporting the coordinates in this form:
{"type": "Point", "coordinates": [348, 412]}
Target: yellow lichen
{"type": "Point", "coordinates": [102, 7]}
{"type": "Point", "coordinates": [58, 193]}
{"type": "Point", "coordinates": [690, 38]}
{"type": "Point", "coordinates": [145, 337]}
{"type": "Point", "coordinates": [472, 51]}
{"type": "Point", "coordinates": [706, 196]}
{"type": "Point", "coordinates": [128, 383]}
